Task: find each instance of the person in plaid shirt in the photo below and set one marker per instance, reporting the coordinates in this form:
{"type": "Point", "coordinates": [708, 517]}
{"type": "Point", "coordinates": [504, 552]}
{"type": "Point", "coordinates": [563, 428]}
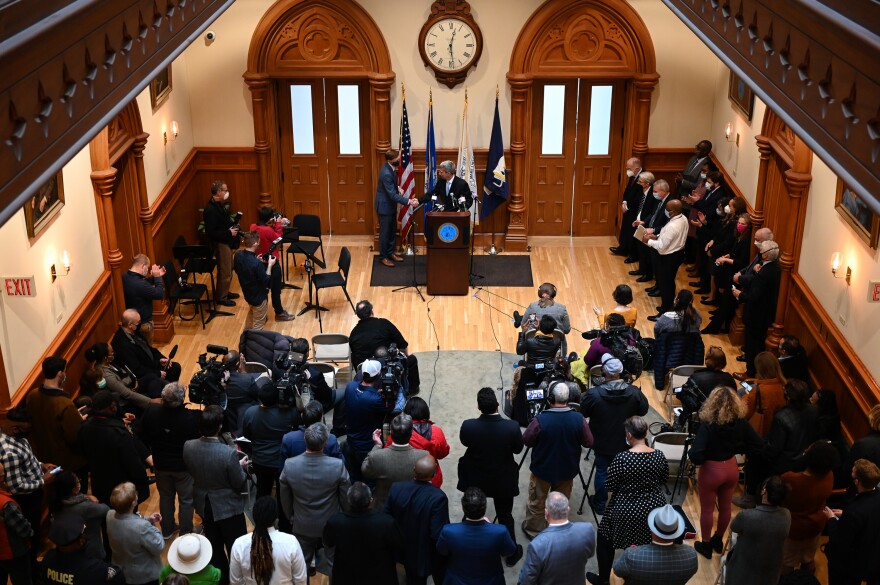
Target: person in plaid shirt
{"type": "Point", "coordinates": [15, 535]}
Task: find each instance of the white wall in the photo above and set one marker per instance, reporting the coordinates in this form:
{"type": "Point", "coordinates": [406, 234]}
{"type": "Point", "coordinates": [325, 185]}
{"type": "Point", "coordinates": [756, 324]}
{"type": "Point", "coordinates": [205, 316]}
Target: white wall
{"type": "Point", "coordinates": [221, 103]}
{"type": "Point", "coordinates": [29, 324]}
{"type": "Point", "coordinates": [825, 233]}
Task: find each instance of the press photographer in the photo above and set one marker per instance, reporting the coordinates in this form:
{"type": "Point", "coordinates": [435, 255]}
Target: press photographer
{"type": "Point", "coordinates": [270, 226]}
{"type": "Point", "coordinates": [253, 276]}
{"type": "Point", "coordinates": [531, 382]}
{"type": "Point", "coordinates": [542, 346]}
{"type": "Point", "coordinates": [696, 389]}
{"type": "Point", "coordinates": [366, 410]}
{"type": "Point", "coordinates": [208, 385]}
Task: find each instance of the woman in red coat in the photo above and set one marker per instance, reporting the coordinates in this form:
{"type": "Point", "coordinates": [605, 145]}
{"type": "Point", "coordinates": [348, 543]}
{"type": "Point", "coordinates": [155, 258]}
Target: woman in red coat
{"type": "Point", "coordinates": [426, 435]}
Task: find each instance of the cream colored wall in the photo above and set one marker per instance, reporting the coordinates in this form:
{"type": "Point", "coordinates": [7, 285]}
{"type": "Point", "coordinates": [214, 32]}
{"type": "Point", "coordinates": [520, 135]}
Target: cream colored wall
{"type": "Point", "coordinates": [825, 233]}
{"type": "Point", "coordinates": [162, 160]}
{"type": "Point", "coordinates": [221, 103]}
{"type": "Point", "coordinates": [29, 324]}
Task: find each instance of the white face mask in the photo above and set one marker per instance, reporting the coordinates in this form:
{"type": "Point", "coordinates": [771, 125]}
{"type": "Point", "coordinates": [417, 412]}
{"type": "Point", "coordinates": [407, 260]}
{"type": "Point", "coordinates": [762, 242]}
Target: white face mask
{"type": "Point", "coordinates": [727, 209]}
{"type": "Point", "coordinates": [226, 196]}
{"type": "Point", "coordinates": [702, 175]}
{"type": "Point", "coordinates": [757, 242]}
{"type": "Point", "coordinates": [709, 185]}
{"type": "Point", "coordinates": [666, 213]}
{"type": "Point", "coordinates": [719, 212]}
{"type": "Point", "coordinates": [657, 197]}
{"type": "Point", "coordinates": [629, 173]}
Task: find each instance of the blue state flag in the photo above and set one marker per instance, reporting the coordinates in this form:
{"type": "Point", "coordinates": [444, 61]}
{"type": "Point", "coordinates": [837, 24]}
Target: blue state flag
{"type": "Point", "coordinates": [495, 186]}
{"type": "Point", "coordinates": [430, 158]}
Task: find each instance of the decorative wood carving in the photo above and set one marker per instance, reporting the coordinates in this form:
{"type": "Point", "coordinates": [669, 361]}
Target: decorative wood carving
{"type": "Point", "coordinates": [813, 66]}
{"type": "Point", "coordinates": [313, 39]}
{"type": "Point", "coordinates": [69, 76]}
{"type": "Point", "coordinates": [566, 40]}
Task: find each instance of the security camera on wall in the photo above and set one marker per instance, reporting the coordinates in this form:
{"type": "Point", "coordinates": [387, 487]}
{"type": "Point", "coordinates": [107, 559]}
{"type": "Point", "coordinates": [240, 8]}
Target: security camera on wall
{"type": "Point", "coordinates": [210, 36]}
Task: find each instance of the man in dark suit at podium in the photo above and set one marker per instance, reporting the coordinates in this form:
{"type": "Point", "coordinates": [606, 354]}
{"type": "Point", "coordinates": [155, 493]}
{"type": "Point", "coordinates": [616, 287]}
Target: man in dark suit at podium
{"type": "Point", "coordinates": [451, 193]}
{"type": "Point", "coordinates": [388, 195]}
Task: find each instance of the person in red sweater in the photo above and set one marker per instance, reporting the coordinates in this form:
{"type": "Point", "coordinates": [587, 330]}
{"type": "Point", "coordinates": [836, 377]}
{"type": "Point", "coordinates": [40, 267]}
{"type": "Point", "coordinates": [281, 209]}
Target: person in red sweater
{"type": "Point", "coordinates": [270, 226]}
{"type": "Point", "coordinates": [426, 435]}
{"type": "Point", "coordinates": [806, 502]}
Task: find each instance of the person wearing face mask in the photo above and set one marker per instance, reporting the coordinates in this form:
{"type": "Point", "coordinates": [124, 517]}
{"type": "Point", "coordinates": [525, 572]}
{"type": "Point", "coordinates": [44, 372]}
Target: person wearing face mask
{"type": "Point", "coordinates": [114, 455]}
{"type": "Point", "coordinates": [692, 212]}
{"type": "Point", "coordinates": [669, 246]}
{"type": "Point", "coordinates": [689, 177]}
{"type": "Point", "coordinates": [141, 285]}
{"type": "Point", "coordinates": [223, 235]}
{"type": "Point", "coordinates": [653, 226]}
{"type": "Point", "coordinates": [649, 204]}
{"type": "Point", "coordinates": [153, 370]}
{"type": "Point", "coordinates": [631, 205]}
{"type": "Point", "coordinates": [708, 221]}
{"type": "Point", "coordinates": [56, 420]}
{"type": "Point", "coordinates": [388, 195]}
{"type": "Point", "coordinates": [117, 378]}
{"type": "Point", "coordinates": [26, 477]}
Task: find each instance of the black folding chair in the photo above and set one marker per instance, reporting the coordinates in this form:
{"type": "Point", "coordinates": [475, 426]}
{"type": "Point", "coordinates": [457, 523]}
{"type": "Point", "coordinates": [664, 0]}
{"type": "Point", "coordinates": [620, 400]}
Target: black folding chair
{"type": "Point", "coordinates": [338, 278]}
{"type": "Point", "coordinates": [183, 293]}
{"type": "Point", "coordinates": [309, 227]}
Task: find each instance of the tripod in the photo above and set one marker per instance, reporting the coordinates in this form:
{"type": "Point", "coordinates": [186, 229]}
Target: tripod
{"type": "Point", "coordinates": [473, 276]}
{"type": "Point", "coordinates": [289, 235]}
{"type": "Point", "coordinates": [308, 305]}
{"type": "Point", "coordinates": [682, 465]}
{"type": "Point", "coordinates": [412, 246]}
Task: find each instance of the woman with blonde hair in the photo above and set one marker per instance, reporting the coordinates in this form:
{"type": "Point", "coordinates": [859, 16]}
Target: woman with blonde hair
{"type": "Point", "coordinates": [722, 435]}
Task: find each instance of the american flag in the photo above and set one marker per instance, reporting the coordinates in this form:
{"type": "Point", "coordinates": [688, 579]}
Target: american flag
{"type": "Point", "coordinates": [405, 177]}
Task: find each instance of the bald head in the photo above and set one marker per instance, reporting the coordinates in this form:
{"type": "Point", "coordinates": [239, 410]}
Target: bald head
{"type": "Point", "coordinates": [131, 318]}
{"type": "Point", "coordinates": [763, 235]}
{"type": "Point", "coordinates": [673, 207]}
{"type": "Point", "coordinates": [425, 468]}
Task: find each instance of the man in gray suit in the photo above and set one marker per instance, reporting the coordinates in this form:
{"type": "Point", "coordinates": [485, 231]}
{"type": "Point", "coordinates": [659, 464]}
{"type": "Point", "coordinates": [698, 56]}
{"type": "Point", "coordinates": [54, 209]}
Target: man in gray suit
{"type": "Point", "coordinates": [393, 464]}
{"type": "Point", "coordinates": [313, 488]}
{"type": "Point", "coordinates": [662, 561]}
{"type": "Point", "coordinates": [559, 554]}
{"type": "Point", "coordinates": [218, 480]}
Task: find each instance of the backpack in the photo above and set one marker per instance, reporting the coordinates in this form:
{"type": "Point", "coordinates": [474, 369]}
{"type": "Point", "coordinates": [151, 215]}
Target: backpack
{"type": "Point", "coordinates": [619, 341]}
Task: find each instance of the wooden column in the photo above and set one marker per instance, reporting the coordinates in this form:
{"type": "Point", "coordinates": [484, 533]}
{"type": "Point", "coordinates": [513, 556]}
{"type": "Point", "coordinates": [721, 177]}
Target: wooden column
{"type": "Point", "coordinates": [260, 85]}
{"type": "Point", "coordinates": [641, 110]}
{"type": "Point", "coordinates": [516, 239]}
{"type": "Point", "coordinates": [380, 126]}
{"type": "Point", "coordinates": [103, 182]}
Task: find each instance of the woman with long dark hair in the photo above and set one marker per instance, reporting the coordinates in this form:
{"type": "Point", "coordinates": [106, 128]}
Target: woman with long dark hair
{"type": "Point", "coordinates": [682, 318]}
{"type": "Point", "coordinates": [119, 379]}
{"type": "Point", "coordinates": [267, 556]}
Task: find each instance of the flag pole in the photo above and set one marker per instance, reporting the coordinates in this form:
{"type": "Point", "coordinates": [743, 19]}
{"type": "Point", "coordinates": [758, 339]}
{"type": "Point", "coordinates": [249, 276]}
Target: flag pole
{"type": "Point", "coordinates": [492, 250]}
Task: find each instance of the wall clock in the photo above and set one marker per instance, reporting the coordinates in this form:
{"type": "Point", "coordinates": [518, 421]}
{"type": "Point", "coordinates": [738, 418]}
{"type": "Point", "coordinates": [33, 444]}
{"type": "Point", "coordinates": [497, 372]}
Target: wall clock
{"type": "Point", "coordinates": [450, 41]}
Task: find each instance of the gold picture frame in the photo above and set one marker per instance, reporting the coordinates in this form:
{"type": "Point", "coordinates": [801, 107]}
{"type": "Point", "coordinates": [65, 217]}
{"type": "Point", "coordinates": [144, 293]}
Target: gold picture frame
{"type": "Point", "coordinates": [857, 214]}
{"type": "Point", "coordinates": [160, 87]}
{"type": "Point", "coordinates": [741, 95]}
{"type": "Point", "coordinates": [44, 205]}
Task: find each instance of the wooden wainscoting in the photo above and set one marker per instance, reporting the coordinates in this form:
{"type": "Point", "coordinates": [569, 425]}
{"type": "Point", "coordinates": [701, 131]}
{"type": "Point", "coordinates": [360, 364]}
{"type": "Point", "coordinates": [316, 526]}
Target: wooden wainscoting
{"type": "Point", "coordinates": [92, 321]}
{"type": "Point", "coordinates": [833, 361]}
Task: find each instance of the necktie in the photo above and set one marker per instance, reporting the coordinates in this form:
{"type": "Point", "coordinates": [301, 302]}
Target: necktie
{"type": "Point", "coordinates": [448, 184]}
{"type": "Point", "coordinates": [642, 204]}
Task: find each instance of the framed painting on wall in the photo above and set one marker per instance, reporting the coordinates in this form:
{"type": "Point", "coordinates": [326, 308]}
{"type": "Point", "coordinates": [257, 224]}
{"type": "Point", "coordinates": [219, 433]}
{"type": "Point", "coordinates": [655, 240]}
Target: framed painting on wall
{"type": "Point", "coordinates": [741, 96]}
{"type": "Point", "coordinates": [857, 214]}
{"type": "Point", "coordinates": [44, 205]}
{"type": "Point", "coordinates": [160, 88]}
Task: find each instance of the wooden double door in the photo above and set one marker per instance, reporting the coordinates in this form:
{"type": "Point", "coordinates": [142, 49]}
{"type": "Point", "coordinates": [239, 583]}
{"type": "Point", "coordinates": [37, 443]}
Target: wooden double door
{"type": "Point", "coordinates": [326, 167]}
{"type": "Point", "coordinates": [576, 171]}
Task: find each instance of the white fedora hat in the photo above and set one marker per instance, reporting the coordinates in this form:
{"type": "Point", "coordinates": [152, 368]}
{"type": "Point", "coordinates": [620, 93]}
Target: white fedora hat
{"type": "Point", "coordinates": [665, 522]}
{"type": "Point", "coordinates": [189, 554]}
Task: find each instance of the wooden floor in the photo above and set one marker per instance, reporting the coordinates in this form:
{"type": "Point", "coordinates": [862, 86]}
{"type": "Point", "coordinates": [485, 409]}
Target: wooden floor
{"type": "Point", "coordinates": [583, 270]}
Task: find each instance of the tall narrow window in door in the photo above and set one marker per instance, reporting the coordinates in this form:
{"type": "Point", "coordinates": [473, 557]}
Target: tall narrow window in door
{"type": "Point", "coordinates": [600, 121]}
{"type": "Point", "coordinates": [554, 119]}
{"type": "Point", "coordinates": [303, 125]}
{"type": "Point", "coordinates": [349, 120]}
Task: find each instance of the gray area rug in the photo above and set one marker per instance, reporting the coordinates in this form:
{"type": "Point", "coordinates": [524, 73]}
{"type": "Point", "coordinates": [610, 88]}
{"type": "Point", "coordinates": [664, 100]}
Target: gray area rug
{"type": "Point", "coordinates": [506, 270]}
{"type": "Point", "coordinates": [449, 383]}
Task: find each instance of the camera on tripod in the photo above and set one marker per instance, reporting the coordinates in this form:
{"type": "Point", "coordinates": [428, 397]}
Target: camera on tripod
{"type": "Point", "coordinates": [275, 243]}
{"type": "Point", "coordinates": [207, 385]}
{"type": "Point", "coordinates": [392, 376]}
{"type": "Point", "coordinates": [293, 377]}
{"type": "Point", "coordinates": [625, 345]}
{"type": "Point", "coordinates": [537, 385]}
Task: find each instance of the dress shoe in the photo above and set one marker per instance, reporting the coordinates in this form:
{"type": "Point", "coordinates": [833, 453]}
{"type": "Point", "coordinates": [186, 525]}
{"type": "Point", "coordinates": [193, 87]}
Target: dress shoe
{"type": "Point", "coordinates": [710, 302]}
{"type": "Point", "coordinates": [616, 250]}
{"type": "Point", "coordinates": [594, 579]}
{"type": "Point", "coordinates": [660, 309]}
{"type": "Point", "coordinates": [704, 547]}
{"type": "Point", "coordinates": [701, 291]}
{"type": "Point", "coordinates": [644, 279]}
{"type": "Point", "coordinates": [630, 260]}
{"type": "Point", "coordinates": [654, 293]}
{"type": "Point", "coordinates": [285, 316]}
{"type": "Point", "coordinates": [695, 283]}
{"type": "Point", "coordinates": [635, 273]}
{"type": "Point", "coordinates": [740, 376]}
{"type": "Point", "coordinates": [711, 329]}
{"type": "Point", "coordinates": [225, 302]}
{"type": "Point", "coordinates": [741, 358]}
{"type": "Point", "coordinates": [397, 258]}
{"type": "Point", "coordinates": [233, 296]}
{"type": "Point", "coordinates": [653, 318]}
{"type": "Point", "coordinates": [529, 534]}
{"type": "Point", "coordinates": [652, 289]}
{"type": "Point", "coordinates": [387, 262]}
{"type": "Point", "coordinates": [745, 501]}
{"type": "Point", "coordinates": [515, 557]}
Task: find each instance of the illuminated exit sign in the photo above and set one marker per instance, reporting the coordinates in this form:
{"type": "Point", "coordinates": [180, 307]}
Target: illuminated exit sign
{"type": "Point", "coordinates": [19, 286]}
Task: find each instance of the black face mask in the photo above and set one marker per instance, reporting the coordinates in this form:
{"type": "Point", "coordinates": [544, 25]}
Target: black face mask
{"type": "Point", "coordinates": [21, 432]}
{"type": "Point", "coordinates": [395, 163]}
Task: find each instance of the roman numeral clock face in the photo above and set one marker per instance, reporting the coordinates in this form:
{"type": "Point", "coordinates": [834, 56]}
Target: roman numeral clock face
{"type": "Point", "coordinates": [450, 44]}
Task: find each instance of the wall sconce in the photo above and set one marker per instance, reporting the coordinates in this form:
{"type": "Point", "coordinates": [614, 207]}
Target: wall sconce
{"type": "Point", "coordinates": [175, 131]}
{"type": "Point", "coordinates": [65, 264]}
{"type": "Point", "coordinates": [728, 132]}
{"type": "Point", "coordinates": [835, 267]}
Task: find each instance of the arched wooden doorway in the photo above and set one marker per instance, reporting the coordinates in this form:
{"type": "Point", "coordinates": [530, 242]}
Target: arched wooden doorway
{"type": "Point", "coordinates": [579, 46]}
{"type": "Point", "coordinates": [124, 215]}
{"type": "Point", "coordinates": [319, 46]}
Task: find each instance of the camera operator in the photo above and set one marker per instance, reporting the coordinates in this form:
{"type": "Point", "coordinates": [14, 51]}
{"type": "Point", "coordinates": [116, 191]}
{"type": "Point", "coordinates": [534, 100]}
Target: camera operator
{"type": "Point", "coordinates": [601, 343]}
{"type": "Point", "coordinates": [253, 276]}
{"type": "Point", "coordinates": [222, 232]}
{"type": "Point", "coordinates": [164, 428]}
{"type": "Point", "coordinates": [697, 388]}
{"type": "Point", "coordinates": [330, 398]}
{"type": "Point", "coordinates": [270, 226]}
{"type": "Point", "coordinates": [371, 333]}
{"type": "Point", "coordinates": [242, 391]}
{"type": "Point", "coordinates": [607, 406]}
{"type": "Point", "coordinates": [556, 437]}
{"type": "Point", "coordinates": [542, 347]}
{"type": "Point", "coordinates": [366, 411]}
{"type": "Point", "coordinates": [264, 426]}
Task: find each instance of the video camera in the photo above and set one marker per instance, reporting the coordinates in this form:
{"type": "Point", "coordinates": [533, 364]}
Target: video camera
{"type": "Point", "coordinates": [236, 220]}
{"type": "Point", "coordinates": [393, 375]}
{"type": "Point", "coordinates": [536, 385]}
{"type": "Point", "coordinates": [208, 384]}
{"type": "Point", "coordinates": [625, 345]}
{"type": "Point", "coordinates": [275, 243]}
{"type": "Point", "coordinates": [293, 377]}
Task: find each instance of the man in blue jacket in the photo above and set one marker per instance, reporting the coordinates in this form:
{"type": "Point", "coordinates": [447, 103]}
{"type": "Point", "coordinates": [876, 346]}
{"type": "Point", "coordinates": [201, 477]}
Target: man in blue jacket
{"type": "Point", "coordinates": [253, 275]}
{"type": "Point", "coordinates": [388, 195]}
{"type": "Point", "coordinates": [365, 412]}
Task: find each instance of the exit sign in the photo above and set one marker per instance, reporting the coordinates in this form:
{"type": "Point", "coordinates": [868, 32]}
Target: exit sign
{"type": "Point", "coordinates": [873, 292]}
{"type": "Point", "coordinates": [19, 286]}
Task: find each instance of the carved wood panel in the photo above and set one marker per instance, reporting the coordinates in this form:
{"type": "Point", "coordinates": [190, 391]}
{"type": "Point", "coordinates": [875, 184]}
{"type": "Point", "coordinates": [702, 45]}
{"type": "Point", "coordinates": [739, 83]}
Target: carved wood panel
{"type": "Point", "coordinates": [66, 78]}
{"type": "Point", "coordinates": [811, 65]}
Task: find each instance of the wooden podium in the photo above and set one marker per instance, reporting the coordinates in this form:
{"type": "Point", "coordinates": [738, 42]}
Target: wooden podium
{"type": "Point", "coordinates": [448, 234]}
